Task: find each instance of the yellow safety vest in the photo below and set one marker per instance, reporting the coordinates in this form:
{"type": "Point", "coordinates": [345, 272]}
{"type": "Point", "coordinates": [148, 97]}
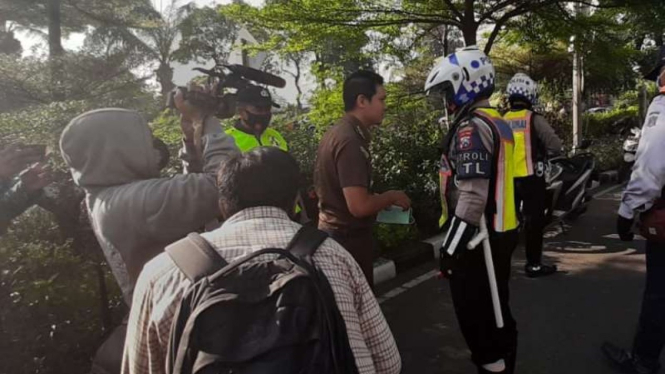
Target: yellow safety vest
{"type": "Point", "coordinates": [246, 142]}
{"type": "Point", "coordinates": [520, 123]}
{"type": "Point", "coordinates": [501, 200]}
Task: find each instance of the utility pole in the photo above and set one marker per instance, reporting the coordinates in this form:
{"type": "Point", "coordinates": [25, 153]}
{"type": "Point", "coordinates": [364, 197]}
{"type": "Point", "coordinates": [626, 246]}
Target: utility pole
{"type": "Point", "coordinates": [576, 98]}
{"type": "Point", "coordinates": [578, 80]}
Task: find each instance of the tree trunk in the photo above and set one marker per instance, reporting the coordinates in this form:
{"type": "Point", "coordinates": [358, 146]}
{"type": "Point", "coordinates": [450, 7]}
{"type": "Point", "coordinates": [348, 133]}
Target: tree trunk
{"type": "Point", "coordinates": [446, 33]}
{"type": "Point", "coordinates": [296, 80]}
{"type": "Point", "coordinates": [165, 78]}
{"type": "Point", "coordinates": [319, 68]}
{"type": "Point", "coordinates": [493, 36]}
{"type": "Point", "coordinates": [55, 49]}
{"type": "Point", "coordinates": [469, 24]}
{"type": "Point", "coordinates": [54, 29]}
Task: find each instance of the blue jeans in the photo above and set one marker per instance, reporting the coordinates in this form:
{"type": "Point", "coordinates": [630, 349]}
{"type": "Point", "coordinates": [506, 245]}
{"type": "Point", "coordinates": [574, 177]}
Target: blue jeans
{"type": "Point", "coordinates": [650, 337]}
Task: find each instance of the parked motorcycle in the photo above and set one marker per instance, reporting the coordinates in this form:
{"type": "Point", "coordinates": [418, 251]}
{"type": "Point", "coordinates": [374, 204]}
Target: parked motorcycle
{"type": "Point", "coordinates": [568, 182]}
{"type": "Point", "coordinates": [629, 153]}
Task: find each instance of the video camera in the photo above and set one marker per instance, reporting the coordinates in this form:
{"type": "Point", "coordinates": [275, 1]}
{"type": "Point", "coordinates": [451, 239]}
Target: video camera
{"type": "Point", "coordinates": [218, 99]}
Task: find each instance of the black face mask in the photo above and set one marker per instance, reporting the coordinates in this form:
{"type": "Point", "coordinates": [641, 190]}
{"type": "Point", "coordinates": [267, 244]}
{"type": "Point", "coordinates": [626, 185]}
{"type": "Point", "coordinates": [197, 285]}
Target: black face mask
{"type": "Point", "coordinates": [163, 149]}
{"type": "Point", "coordinates": [258, 120]}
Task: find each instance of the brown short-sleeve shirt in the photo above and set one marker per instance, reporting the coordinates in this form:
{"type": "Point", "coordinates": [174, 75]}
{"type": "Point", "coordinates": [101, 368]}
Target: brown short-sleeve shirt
{"type": "Point", "coordinates": [343, 160]}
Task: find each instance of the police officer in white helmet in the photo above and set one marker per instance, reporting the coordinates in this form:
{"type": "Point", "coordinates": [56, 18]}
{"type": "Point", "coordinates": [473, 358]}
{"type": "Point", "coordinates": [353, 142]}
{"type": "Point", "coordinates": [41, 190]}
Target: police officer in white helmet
{"type": "Point", "coordinates": [535, 141]}
{"type": "Point", "coordinates": [476, 182]}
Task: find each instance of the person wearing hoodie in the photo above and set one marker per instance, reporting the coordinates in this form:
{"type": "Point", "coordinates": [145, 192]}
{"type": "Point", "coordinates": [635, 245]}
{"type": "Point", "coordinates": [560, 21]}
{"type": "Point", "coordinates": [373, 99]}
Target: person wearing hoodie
{"type": "Point", "coordinates": [134, 212]}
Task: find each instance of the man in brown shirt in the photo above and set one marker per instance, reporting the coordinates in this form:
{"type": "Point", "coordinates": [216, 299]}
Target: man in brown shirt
{"type": "Point", "coordinates": [343, 175]}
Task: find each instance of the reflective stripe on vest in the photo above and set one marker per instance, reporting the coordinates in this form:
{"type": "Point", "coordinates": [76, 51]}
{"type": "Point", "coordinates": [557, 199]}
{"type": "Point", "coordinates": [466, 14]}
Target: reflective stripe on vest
{"type": "Point", "coordinates": [520, 123]}
{"type": "Point", "coordinates": [505, 215]}
{"type": "Point", "coordinates": [246, 142]}
{"type": "Point", "coordinates": [445, 174]}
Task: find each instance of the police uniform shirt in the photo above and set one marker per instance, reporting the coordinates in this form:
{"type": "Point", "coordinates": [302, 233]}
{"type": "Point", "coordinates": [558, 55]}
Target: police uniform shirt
{"type": "Point", "coordinates": [648, 177]}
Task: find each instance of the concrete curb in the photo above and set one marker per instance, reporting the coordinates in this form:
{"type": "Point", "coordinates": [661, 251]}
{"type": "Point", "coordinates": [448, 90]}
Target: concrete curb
{"type": "Point", "coordinates": [384, 270]}
{"type": "Point", "coordinates": [387, 269]}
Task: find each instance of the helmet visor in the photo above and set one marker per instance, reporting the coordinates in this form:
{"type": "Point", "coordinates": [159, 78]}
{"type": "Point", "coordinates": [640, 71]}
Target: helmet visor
{"type": "Point", "coordinates": [439, 96]}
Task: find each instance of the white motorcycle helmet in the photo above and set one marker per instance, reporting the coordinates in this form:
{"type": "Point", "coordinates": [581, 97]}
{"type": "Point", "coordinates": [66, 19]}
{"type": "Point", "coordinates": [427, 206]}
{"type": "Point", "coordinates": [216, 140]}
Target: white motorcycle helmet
{"type": "Point", "coordinates": [461, 78]}
{"type": "Point", "coordinates": [522, 87]}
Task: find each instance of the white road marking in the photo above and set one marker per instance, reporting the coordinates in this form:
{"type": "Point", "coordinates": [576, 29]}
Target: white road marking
{"type": "Point", "coordinates": [608, 190]}
{"type": "Point", "coordinates": [406, 286]}
{"type": "Point", "coordinates": [616, 236]}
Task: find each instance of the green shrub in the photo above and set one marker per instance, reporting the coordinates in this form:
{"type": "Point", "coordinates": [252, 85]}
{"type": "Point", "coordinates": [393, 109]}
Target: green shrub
{"type": "Point", "coordinates": [598, 125]}
{"type": "Point", "coordinates": [390, 237]}
{"type": "Point", "coordinates": [51, 315]}
{"type": "Point", "coordinates": [608, 152]}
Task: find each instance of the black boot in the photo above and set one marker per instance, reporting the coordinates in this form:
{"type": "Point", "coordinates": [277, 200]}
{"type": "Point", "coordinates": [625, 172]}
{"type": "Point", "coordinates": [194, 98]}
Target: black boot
{"type": "Point", "coordinates": [624, 362]}
{"type": "Point", "coordinates": [534, 271]}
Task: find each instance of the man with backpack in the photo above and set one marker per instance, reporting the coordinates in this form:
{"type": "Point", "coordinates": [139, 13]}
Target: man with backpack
{"type": "Point", "coordinates": [309, 310]}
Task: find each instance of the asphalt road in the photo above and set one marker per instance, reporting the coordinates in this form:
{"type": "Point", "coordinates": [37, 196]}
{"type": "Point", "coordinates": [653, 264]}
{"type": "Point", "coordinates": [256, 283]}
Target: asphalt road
{"type": "Point", "coordinates": [562, 319]}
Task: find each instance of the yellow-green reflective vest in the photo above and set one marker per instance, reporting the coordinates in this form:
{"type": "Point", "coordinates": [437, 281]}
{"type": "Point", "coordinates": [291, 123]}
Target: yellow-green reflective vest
{"type": "Point", "coordinates": [520, 123]}
{"type": "Point", "coordinates": [246, 142]}
{"type": "Point", "coordinates": [500, 210]}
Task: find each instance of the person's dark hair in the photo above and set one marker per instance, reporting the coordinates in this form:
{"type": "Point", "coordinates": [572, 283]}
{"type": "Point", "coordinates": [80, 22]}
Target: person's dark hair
{"type": "Point", "coordinates": [264, 176]}
{"type": "Point", "coordinates": [362, 82]}
{"type": "Point", "coordinates": [517, 102]}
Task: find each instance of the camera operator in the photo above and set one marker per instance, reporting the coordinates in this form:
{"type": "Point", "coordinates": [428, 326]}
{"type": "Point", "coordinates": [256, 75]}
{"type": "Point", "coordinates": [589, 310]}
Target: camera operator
{"type": "Point", "coordinates": [18, 193]}
{"type": "Point", "coordinates": [115, 159]}
{"type": "Point", "coordinates": [135, 213]}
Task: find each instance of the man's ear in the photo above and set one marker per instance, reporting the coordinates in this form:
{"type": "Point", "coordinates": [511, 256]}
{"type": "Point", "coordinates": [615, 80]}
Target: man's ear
{"type": "Point", "coordinates": [222, 210]}
{"type": "Point", "coordinates": [361, 101]}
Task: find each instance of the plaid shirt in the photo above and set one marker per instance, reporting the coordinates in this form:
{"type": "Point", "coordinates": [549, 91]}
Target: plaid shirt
{"type": "Point", "coordinates": [161, 286]}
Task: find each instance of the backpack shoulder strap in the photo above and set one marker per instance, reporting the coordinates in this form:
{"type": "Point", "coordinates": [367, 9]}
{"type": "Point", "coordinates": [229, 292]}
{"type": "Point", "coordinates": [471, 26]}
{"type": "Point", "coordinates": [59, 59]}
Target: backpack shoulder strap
{"type": "Point", "coordinates": [306, 241]}
{"type": "Point", "coordinates": [195, 257]}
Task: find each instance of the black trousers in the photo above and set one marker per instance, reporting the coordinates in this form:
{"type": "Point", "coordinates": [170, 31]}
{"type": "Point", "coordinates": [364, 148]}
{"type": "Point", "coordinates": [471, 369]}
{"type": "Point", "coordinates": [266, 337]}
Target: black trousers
{"type": "Point", "coordinates": [531, 191]}
{"type": "Point", "coordinates": [650, 337]}
{"type": "Point", "coordinates": [469, 286]}
{"type": "Point", "coordinates": [360, 243]}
